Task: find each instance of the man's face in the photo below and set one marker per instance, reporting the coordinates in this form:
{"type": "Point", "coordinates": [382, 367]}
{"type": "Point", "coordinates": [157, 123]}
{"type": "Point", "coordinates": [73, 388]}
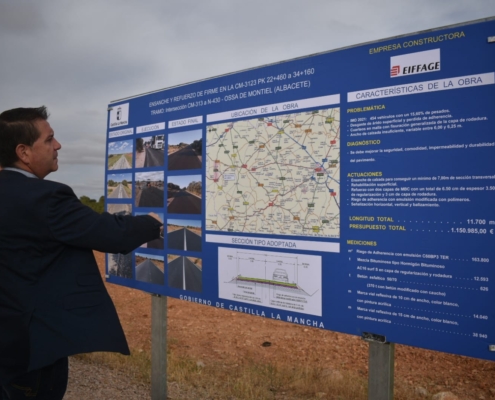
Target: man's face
{"type": "Point", "coordinates": [43, 152]}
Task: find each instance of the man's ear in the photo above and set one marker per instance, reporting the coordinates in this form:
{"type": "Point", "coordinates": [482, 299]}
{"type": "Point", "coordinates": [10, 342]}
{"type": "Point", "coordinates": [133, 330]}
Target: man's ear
{"type": "Point", "coordinates": [23, 151]}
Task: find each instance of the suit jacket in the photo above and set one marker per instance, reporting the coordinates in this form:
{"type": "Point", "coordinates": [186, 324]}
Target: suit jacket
{"type": "Point", "coordinates": [53, 302]}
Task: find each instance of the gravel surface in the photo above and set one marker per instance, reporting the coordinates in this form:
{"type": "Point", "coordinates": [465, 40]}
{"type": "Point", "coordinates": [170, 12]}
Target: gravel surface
{"type": "Point", "coordinates": [98, 382]}
{"type": "Point", "coordinates": [90, 381]}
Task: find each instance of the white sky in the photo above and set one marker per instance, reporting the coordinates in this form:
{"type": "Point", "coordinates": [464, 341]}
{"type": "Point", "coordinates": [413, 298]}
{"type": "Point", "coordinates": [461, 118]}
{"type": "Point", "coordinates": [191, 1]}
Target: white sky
{"type": "Point", "coordinates": [121, 147]}
{"type": "Point", "coordinates": [76, 57]}
{"type": "Point", "coordinates": [153, 176]}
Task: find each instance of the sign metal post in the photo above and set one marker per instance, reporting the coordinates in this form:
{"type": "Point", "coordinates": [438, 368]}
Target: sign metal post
{"type": "Point", "coordinates": [158, 347]}
{"type": "Point", "coordinates": [381, 371]}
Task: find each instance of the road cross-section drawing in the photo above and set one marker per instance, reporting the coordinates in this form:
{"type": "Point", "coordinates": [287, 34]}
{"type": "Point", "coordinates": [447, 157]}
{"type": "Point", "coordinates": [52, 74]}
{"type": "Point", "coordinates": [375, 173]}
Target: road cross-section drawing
{"type": "Point", "coordinates": [290, 282]}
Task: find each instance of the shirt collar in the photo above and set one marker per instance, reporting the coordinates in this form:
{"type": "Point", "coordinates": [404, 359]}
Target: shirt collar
{"type": "Point", "coordinates": [26, 173]}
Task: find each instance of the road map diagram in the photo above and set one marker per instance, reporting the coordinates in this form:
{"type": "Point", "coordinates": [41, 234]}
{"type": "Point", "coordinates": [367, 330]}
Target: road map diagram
{"type": "Point", "coordinates": [284, 281]}
{"type": "Point", "coordinates": [275, 175]}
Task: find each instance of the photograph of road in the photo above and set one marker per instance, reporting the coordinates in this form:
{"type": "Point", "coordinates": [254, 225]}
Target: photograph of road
{"type": "Point", "coordinates": [120, 155]}
{"type": "Point", "coordinates": [185, 273]}
{"type": "Point", "coordinates": [184, 194]}
{"type": "Point", "coordinates": [120, 264]}
{"type": "Point", "coordinates": [156, 243]}
{"type": "Point", "coordinates": [122, 209]}
{"type": "Point", "coordinates": [149, 268]}
{"type": "Point", "coordinates": [149, 189]}
{"type": "Point", "coordinates": [184, 234]}
{"type": "Point", "coordinates": [150, 151]}
{"type": "Point", "coordinates": [119, 186]}
{"type": "Point", "coordinates": [185, 150]}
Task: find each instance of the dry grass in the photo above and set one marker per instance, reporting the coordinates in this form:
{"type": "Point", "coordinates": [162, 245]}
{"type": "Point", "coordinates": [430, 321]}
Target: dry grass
{"type": "Point", "coordinates": [248, 380]}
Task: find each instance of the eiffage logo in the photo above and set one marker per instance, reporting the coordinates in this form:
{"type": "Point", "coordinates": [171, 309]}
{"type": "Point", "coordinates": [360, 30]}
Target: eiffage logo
{"type": "Point", "coordinates": [415, 63]}
{"type": "Point", "coordinates": [395, 70]}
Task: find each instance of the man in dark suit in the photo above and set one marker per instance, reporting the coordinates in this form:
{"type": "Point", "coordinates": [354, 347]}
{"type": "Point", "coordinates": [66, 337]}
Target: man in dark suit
{"type": "Point", "coordinates": [53, 302]}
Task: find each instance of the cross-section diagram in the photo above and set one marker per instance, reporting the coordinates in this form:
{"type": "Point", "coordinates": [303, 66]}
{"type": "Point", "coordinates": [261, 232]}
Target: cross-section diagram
{"type": "Point", "coordinates": [290, 282]}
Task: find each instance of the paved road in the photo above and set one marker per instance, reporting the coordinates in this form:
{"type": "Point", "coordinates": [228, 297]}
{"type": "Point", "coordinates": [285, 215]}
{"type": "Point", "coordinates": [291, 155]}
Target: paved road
{"type": "Point", "coordinates": [184, 203]}
{"type": "Point", "coordinates": [184, 239]}
{"type": "Point", "coordinates": [185, 158]}
{"type": "Point", "coordinates": [149, 272]}
{"type": "Point", "coordinates": [122, 163]}
{"type": "Point", "coordinates": [176, 274]}
{"type": "Point", "coordinates": [154, 157]}
{"type": "Point", "coordinates": [183, 274]}
{"type": "Point", "coordinates": [120, 209]}
{"type": "Point", "coordinates": [151, 197]}
{"type": "Point", "coordinates": [194, 277]}
{"type": "Point", "coordinates": [155, 244]}
{"type": "Point", "coordinates": [119, 193]}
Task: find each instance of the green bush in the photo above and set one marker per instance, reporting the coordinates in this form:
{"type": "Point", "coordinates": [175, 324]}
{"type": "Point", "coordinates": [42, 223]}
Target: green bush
{"type": "Point", "coordinates": [98, 206]}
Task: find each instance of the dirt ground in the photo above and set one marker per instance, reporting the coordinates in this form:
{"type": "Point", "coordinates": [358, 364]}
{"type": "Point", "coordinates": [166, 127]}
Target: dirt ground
{"type": "Point", "coordinates": [208, 334]}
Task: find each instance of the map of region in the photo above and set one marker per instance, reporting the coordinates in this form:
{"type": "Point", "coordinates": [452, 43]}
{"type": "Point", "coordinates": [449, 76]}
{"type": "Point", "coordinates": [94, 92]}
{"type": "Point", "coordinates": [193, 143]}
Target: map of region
{"type": "Point", "coordinates": [275, 175]}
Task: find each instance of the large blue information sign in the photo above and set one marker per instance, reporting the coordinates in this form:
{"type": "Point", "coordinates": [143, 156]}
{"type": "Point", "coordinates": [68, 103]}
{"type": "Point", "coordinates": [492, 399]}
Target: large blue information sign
{"type": "Point", "coordinates": [352, 190]}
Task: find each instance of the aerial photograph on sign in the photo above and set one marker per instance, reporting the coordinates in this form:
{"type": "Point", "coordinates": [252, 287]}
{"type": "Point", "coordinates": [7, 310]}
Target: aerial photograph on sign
{"type": "Point", "coordinates": [149, 189]}
{"type": "Point", "coordinates": [275, 175]}
{"type": "Point", "coordinates": [150, 151]}
{"type": "Point", "coordinates": [185, 150]}
{"type": "Point", "coordinates": [119, 186]}
{"type": "Point", "coordinates": [184, 234]}
{"type": "Point", "coordinates": [184, 194]}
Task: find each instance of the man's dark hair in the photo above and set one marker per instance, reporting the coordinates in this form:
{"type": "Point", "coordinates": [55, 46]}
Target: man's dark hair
{"type": "Point", "coordinates": [17, 127]}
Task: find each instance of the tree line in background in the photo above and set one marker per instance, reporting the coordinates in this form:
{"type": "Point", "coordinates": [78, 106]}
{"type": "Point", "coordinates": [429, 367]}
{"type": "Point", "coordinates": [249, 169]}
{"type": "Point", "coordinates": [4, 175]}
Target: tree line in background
{"type": "Point", "coordinates": [197, 145]}
{"type": "Point", "coordinates": [113, 183]}
{"type": "Point", "coordinates": [98, 206]}
{"type": "Point", "coordinates": [193, 187]}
